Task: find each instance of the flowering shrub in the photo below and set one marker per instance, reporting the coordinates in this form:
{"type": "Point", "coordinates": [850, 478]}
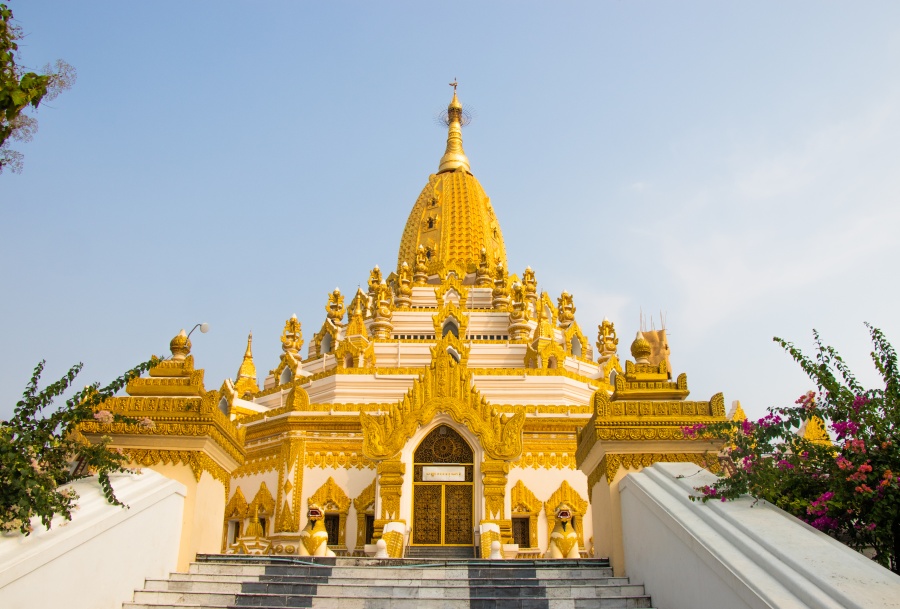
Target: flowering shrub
{"type": "Point", "coordinates": [37, 450]}
{"type": "Point", "coordinates": [848, 488]}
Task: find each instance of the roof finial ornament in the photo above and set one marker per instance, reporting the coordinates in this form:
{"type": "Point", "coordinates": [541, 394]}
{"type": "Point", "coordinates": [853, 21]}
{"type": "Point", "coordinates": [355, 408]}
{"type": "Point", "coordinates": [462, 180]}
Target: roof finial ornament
{"type": "Point", "coordinates": [454, 157]}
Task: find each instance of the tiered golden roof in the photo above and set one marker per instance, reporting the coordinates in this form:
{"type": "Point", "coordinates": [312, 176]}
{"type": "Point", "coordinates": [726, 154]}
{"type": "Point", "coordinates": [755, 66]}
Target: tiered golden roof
{"type": "Point", "coordinates": [453, 218]}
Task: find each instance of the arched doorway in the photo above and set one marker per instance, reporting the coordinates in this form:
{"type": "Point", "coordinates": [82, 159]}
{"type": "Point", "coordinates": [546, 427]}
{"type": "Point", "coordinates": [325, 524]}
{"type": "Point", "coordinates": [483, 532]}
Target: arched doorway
{"type": "Point", "coordinates": [443, 490]}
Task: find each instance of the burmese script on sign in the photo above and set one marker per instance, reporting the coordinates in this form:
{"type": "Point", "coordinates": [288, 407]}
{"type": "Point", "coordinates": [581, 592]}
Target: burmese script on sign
{"type": "Point", "coordinates": [446, 473]}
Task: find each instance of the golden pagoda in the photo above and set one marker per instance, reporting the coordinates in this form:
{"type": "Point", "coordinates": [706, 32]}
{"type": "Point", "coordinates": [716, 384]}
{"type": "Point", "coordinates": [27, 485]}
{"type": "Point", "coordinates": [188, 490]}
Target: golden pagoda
{"type": "Point", "coordinates": [452, 402]}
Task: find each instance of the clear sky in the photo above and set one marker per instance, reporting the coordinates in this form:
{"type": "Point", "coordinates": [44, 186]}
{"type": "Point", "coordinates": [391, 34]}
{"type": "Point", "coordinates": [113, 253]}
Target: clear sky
{"type": "Point", "coordinates": [733, 165]}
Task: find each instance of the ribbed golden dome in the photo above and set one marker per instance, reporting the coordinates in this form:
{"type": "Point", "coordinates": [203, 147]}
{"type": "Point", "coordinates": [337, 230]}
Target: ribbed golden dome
{"type": "Point", "coordinates": [453, 218]}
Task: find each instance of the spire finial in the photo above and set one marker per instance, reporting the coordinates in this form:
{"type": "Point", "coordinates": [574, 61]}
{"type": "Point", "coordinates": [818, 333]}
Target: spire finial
{"type": "Point", "coordinates": [246, 376]}
{"type": "Point", "coordinates": [454, 156]}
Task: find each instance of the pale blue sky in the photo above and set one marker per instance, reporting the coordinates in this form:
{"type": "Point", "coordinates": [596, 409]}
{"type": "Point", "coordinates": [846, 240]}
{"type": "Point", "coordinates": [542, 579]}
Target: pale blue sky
{"type": "Point", "coordinates": [734, 165]}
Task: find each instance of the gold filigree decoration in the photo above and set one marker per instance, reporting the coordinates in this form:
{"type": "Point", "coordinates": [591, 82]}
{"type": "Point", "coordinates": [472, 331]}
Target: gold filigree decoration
{"type": "Point", "coordinates": [237, 506]}
{"type": "Point", "coordinates": [813, 429]}
{"type": "Point", "coordinates": [390, 482]}
{"type": "Point", "coordinates": [574, 337]}
{"type": "Point", "coordinates": [452, 284]}
{"type": "Point", "coordinates": [197, 461]}
{"type": "Point", "coordinates": [566, 494]}
{"type": "Point", "coordinates": [546, 460]}
{"type": "Point", "coordinates": [246, 383]}
{"type": "Point", "coordinates": [609, 465]}
{"type": "Point", "coordinates": [256, 465]}
{"type": "Point", "coordinates": [263, 502]}
{"type": "Point", "coordinates": [346, 460]}
{"type": "Point", "coordinates": [292, 336]}
{"type": "Point", "coordinates": [447, 387]}
{"type": "Point", "coordinates": [454, 314]}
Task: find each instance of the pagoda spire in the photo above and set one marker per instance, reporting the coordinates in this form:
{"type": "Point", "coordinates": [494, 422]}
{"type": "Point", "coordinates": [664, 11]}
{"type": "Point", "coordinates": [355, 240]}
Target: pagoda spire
{"type": "Point", "coordinates": [454, 157]}
{"type": "Point", "coordinates": [246, 376]}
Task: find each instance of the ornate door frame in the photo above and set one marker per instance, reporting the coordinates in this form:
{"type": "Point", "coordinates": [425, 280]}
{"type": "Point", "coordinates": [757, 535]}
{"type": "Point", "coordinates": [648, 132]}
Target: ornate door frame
{"type": "Point", "coordinates": [475, 484]}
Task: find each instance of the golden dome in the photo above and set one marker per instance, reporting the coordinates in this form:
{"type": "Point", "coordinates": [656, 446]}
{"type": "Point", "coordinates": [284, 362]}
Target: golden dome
{"type": "Point", "coordinates": [180, 346]}
{"type": "Point", "coordinates": [640, 349]}
{"type": "Point", "coordinates": [453, 217]}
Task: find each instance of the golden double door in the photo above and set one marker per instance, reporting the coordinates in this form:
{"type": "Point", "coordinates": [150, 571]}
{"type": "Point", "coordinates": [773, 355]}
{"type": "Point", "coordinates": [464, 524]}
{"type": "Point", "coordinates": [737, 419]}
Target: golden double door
{"type": "Point", "coordinates": [442, 510]}
{"type": "Point", "coordinates": [442, 514]}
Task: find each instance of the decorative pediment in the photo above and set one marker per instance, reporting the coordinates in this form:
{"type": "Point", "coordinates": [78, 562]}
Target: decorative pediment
{"type": "Point", "coordinates": [452, 289]}
{"type": "Point", "coordinates": [523, 501]}
{"type": "Point", "coordinates": [325, 340]}
{"type": "Point", "coordinates": [445, 387]}
{"type": "Point", "coordinates": [330, 497]}
{"type": "Point", "coordinates": [237, 506]}
{"type": "Point", "coordinates": [263, 502]}
{"type": "Point", "coordinates": [454, 314]}
{"type": "Point", "coordinates": [577, 343]}
{"type": "Point", "coordinates": [566, 494]}
{"type": "Point", "coordinates": [365, 502]}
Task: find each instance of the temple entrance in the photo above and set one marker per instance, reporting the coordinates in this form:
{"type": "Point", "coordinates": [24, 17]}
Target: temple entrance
{"type": "Point", "coordinates": [443, 491]}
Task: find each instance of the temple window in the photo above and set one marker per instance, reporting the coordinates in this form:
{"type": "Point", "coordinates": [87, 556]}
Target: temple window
{"type": "Point", "coordinates": [286, 376]}
{"type": "Point", "coordinates": [551, 363]}
{"type": "Point", "coordinates": [326, 343]}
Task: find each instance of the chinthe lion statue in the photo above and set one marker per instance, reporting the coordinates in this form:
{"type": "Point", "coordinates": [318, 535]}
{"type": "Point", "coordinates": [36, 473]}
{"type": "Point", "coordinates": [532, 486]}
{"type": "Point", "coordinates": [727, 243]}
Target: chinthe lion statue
{"type": "Point", "coordinates": [564, 537]}
{"type": "Point", "coordinates": [314, 536]}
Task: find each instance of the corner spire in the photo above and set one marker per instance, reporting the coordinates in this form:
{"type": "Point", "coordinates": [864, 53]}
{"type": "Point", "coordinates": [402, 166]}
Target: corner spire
{"type": "Point", "coordinates": [454, 157]}
{"type": "Point", "coordinates": [246, 376]}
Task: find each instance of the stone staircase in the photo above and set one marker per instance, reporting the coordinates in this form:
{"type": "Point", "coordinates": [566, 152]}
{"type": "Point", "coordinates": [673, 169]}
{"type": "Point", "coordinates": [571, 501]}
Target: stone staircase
{"type": "Point", "coordinates": [440, 552]}
{"type": "Point", "coordinates": [219, 582]}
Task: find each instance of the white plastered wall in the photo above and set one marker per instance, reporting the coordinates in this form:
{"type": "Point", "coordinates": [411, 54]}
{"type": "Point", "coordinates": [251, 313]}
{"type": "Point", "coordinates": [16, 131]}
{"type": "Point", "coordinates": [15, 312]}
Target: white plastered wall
{"type": "Point", "coordinates": [204, 512]}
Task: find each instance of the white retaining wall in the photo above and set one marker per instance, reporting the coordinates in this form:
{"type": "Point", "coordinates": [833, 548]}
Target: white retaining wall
{"type": "Point", "coordinates": [691, 555]}
{"type": "Point", "coordinates": [97, 560]}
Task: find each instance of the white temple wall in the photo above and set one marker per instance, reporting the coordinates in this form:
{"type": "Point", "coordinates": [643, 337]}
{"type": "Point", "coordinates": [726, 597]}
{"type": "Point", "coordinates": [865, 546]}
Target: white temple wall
{"type": "Point", "coordinates": [97, 560]}
{"type": "Point", "coordinates": [740, 554]}
{"type": "Point", "coordinates": [204, 512]}
{"type": "Point", "coordinates": [543, 483]}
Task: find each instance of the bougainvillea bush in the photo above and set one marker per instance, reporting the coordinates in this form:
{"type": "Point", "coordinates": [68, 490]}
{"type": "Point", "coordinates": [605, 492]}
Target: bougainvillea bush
{"type": "Point", "coordinates": [848, 488]}
{"type": "Point", "coordinates": [39, 446]}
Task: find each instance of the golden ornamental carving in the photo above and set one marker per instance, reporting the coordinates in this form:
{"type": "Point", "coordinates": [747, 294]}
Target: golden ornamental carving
{"type": "Point", "coordinates": [546, 460]}
{"type": "Point", "coordinates": [335, 308]}
{"type": "Point", "coordinates": [495, 476]}
{"type": "Point", "coordinates": [256, 466]}
{"type": "Point", "coordinates": [404, 286]}
{"type": "Point", "coordinates": [483, 278]}
{"type": "Point", "coordinates": [341, 459]}
{"type": "Point", "coordinates": [197, 461]}
{"type": "Point", "coordinates": [453, 314]}
{"type": "Point", "coordinates": [607, 341]}
{"type": "Point", "coordinates": [180, 346]}
{"type": "Point", "coordinates": [566, 494]}
{"type": "Point", "coordinates": [529, 283]}
{"type": "Point", "coordinates": [290, 485]}
{"type": "Point", "coordinates": [611, 463]}
{"type": "Point", "coordinates": [640, 349]}
{"type": "Point", "coordinates": [523, 502]}
{"type": "Point", "coordinates": [174, 417]}
{"type": "Point", "coordinates": [246, 383]}
{"type": "Point", "coordinates": [325, 340]}
{"type": "Point", "coordinates": [375, 280]}
{"type": "Point", "coordinates": [263, 502]}
{"type": "Point", "coordinates": [390, 482]}
{"type": "Point", "coordinates": [292, 336]}
{"type": "Point", "coordinates": [500, 293]}
{"type": "Point", "coordinates": [330, 497]}
{"type": "Point", "coordinates": [738, 413]}
{"type": "Point", "coordinates": [577, 344]}
{"type": "Point", "coordinates": [365, 501]}
{"type": "Point", "coordinates": [566, 310]}
{"type": "Point", "coordinates": [452, 289]}
{"type": "Point", "coordinates": [446, 386]}
{"type": "Point", "coordinates": [237, 506]}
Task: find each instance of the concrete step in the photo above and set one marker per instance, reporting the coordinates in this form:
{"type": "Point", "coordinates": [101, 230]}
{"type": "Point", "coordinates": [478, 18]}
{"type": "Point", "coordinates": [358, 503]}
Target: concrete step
{"type": "Point", "coordinates": [216, 582]}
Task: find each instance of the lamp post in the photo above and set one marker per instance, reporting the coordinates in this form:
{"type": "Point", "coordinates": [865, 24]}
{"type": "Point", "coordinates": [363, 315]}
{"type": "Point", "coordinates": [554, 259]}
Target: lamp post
{"type": "Point", "coordinates": [204, 328]}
